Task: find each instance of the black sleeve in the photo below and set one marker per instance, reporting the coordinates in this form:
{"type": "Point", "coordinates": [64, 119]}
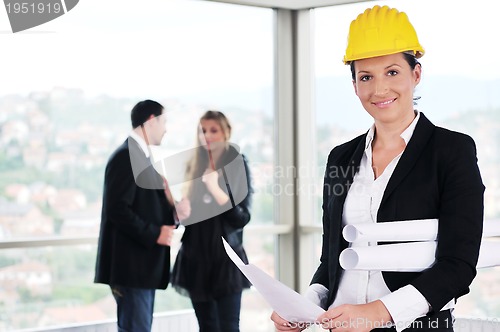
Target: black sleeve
{"type": "Point", "coordinates": [240, 189]}
{"type": "Point", "coordinates": [460, 227]}
{"type": "Point", "coordinates": [321, 276]}
{"type": "Point", "coordinates": [120, 188]}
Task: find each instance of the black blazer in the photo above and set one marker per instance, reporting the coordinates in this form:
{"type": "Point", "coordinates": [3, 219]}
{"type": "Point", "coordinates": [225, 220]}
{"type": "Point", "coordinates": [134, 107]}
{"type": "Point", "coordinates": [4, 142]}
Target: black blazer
{"type": "Point", "coordinates": [202, 268]}
{"type": "Point", "coordinates": [436, 177]}
{"type": "Point", "coordinates": [134, 208]}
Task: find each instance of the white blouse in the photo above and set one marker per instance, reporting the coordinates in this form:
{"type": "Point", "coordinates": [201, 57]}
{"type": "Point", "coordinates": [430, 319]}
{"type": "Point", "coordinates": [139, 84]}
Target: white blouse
{"type": "Point", "coordinates": [361, 206]}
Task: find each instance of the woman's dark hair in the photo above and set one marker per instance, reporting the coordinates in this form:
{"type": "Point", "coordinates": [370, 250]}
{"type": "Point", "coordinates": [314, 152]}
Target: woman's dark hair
{"type": "Point", "coordinates": [143, 110]}
{"type": "Point", "coordinates": [409, 57]}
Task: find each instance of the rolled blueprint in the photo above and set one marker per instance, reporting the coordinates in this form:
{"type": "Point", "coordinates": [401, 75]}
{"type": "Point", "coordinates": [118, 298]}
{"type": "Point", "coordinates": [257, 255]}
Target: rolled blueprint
{"type": "Point", "coordinates": [491, 228]}
{"type": "Point", "coordinates": [408, 257]}
{"type": "Point", "coordinates": [488, 254]}
{"type": "Point", "coordinates": [400, 257]}
{"type": "Point", "coordinates": [408, 230]}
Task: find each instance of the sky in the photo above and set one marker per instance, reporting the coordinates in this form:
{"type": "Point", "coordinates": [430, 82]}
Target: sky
{"type": "Point", "coordinates": [128, 48]}
{"type": "Point", "coordinates": [458, 35]}
{"type": "Point", "coordinates": [179, 47]}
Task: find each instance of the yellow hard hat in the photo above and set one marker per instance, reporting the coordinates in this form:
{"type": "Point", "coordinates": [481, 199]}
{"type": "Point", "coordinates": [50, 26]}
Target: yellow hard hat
{"type": "Point", "coordinates": [381, 31]}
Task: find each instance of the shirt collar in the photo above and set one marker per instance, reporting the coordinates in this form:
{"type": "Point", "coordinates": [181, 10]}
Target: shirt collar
{"type": "Point", "coordinates": [405, 135]}
{"type": "Point", "coordinates": [141, 142]}
{"type": "Point", "coordinates": [408, 132]}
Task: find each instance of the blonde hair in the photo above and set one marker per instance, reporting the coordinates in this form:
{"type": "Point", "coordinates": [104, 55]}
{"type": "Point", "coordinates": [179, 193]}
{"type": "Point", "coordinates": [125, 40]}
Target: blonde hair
{"type": "Point", "coordinates": [197, 163]}
{"type": "Point", "coordinates": [221, 120]}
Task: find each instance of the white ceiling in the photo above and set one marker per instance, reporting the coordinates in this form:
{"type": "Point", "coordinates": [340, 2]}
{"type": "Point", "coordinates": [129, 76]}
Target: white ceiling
{"type": "Point", "coordinates": [290, 4]}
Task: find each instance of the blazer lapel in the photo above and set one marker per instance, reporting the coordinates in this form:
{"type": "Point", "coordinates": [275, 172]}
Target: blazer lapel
{"type": "Point", "coordinates": [346, 170]}
{"type": "Point", "coordinates": [355, 161]}
{"type": "Point", "coordinates": [421, 135]}
{"type": "Point", "coordinates": [346, 175]}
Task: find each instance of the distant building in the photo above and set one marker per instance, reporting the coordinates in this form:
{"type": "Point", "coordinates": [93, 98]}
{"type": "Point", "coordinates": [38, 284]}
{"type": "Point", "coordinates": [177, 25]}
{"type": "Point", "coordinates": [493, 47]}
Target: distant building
{"type": "Point", "coordinates": [20, 193]}
{"type": "Point", "coordinates": [24, 220]}
{"type": "Point", "coordinates": [34, 153]}
{"type": "Point", "coordinates": [58, 161]}
{"type": "Point", "coordinates": [82, 222]}
{"type": "Point", "coordinates": [32, 276]}
{"type": "Point", "coordinates": [13, 130]}
{"type": "Point", "coordinates": [74, 314]}
{"type": "Point", "coordinates": [67, 200]}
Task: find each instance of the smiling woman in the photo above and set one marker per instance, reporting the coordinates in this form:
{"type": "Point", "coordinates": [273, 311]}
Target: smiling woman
{"type": "Point", "coordinates": [458, 90]}
{"type": "Point", "coordinates": [66, 88]}
{"type": "Point", "coordinates": [385, 86]}
{"type": "Point", "coordinates": [406, 168]}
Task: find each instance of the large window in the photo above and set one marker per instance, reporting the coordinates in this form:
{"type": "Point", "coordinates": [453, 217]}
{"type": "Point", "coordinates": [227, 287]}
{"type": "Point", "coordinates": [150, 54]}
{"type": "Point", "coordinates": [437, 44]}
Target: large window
{"type": "Point", "coordinates": [66, 93]}
{"type": "Point", "coordinates": [459, 91]}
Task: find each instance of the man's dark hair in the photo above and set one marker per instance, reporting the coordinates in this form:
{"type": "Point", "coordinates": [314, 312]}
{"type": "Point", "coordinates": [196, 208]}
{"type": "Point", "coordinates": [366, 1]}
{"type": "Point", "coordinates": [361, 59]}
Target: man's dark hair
{"type": "Point", "coordinates": [143, 110]}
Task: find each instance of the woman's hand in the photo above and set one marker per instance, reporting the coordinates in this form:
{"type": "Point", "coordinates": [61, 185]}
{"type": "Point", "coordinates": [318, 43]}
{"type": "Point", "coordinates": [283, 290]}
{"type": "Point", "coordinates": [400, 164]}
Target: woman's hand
{"type": "Point", "coordinates": [283, 325]}
{"type": "Point", "coordinates": [211, 180]}
{"type": "Point", "coordinates": [356, 318]}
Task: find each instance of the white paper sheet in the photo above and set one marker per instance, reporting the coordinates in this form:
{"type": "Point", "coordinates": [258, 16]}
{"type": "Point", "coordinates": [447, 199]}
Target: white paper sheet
{"type": "Point", "coordinates": [287, 303]}
{"type": "Point", "coordinates": [408, 257]}
{"type": "Point", "coordinates": [408, 230]}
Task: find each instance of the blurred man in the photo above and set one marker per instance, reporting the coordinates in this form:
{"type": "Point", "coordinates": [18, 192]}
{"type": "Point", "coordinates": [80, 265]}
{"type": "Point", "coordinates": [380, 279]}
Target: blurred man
{"type": "Point", "coordinates": [137, 224]}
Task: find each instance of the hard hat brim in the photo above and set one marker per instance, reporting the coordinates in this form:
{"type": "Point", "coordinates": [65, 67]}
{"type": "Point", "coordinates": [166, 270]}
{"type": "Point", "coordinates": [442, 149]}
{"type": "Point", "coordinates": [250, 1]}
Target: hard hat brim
{"type": "Point", "coordinates": [417, 53]}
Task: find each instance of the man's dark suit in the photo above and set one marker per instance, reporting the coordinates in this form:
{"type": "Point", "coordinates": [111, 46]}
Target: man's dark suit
{"type": "Point", "coordinates": [436, 177]}
{"type": "Point", "coordinates": [132, 215]}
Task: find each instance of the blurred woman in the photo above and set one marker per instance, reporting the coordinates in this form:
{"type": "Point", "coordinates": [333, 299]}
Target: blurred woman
{"type": "Point", "coordinates": [220, 195]}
